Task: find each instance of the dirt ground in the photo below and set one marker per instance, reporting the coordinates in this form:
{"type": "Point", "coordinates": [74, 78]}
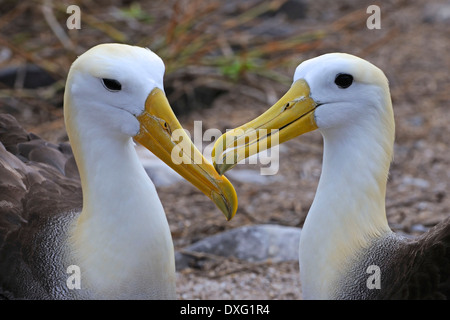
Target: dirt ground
{"type": "Point", "coordinates": [412, 47]}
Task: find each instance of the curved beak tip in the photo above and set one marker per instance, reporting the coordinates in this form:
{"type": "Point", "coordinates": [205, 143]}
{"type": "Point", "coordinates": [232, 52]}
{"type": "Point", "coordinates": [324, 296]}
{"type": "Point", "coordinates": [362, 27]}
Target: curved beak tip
{"type": "Point", "coordinates": [226, 201]}
{"type": "Point", "coordinates": [222, 168]}
{"type": "Point", "coordinates": [218, 168]}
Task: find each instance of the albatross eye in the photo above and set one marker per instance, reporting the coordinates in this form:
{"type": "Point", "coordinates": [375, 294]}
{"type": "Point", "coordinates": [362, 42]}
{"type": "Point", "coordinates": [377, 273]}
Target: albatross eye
{"type": "Point", "coordinates": [112, 85]}
{"type": "Point", "coordinates": [343, 80]}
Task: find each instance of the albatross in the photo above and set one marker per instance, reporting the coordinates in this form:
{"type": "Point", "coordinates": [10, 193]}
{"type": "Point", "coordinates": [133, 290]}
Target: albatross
{"type": "Point", "coordinates": [91, 225]}
{"type": "Point", "coordinates": [347, 249]}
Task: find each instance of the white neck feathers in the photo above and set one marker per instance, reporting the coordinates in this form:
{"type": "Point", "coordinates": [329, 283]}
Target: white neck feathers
{"type": "Point", "coordinates": [348, 212]}
{"type": "Point", "coordinates": [121, 241]}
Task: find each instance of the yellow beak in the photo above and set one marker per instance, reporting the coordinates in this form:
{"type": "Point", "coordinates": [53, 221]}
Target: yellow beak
{"type": "Point", "coordinates": [290, 117]}
{"type": "Point", "coordinates": [158, 127]}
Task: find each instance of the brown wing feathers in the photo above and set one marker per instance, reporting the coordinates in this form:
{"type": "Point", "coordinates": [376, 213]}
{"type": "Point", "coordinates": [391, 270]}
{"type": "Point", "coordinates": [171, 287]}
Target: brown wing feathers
{"type": "Point", "coordinates": [39, 183]}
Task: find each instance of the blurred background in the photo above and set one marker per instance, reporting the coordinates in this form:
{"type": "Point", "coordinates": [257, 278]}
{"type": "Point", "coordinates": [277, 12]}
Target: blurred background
{"type": "Point", "coordinates": [227, 62]}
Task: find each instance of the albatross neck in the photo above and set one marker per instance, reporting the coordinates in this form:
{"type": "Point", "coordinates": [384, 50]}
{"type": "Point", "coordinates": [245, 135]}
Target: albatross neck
{"type": "Point", "coordinates": [348, 212]}
{"type": "Point", "coordinates": [122, 232]}
{"type": "Point", "coordinates": [112, 176]}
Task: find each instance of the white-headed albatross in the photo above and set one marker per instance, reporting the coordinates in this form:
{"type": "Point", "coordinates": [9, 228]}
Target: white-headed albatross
{"type": "Point", "coordinates": [347, 250]}
{"type": "Point", "coordinates": [112, 241]}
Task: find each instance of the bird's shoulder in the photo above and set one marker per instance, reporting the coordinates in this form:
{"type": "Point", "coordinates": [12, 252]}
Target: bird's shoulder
{"type": "Point", "coordinates": [39, 187]}
{"type": "Point", "coordinates": [34, 173]}
{"type": "Point", "coordinates": [425, 266]}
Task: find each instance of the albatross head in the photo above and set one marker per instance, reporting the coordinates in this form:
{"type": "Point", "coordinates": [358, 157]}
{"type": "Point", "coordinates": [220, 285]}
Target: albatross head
{"type": "Point", "coordinates": [116, 92]}
{"type": "Point", "coordinates": [333, 92]}
{"type": "Point", "coordinates": [109, 85]}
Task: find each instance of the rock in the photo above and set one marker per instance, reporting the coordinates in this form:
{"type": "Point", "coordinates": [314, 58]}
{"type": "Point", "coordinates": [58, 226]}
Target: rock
{"type": "Point", "coordinates": [256, 243]}
{"type": "Point", "coordinates": [294, 9]}
{"type": "Point", "coordinates": [188, 94]}
{"type": "Point", "coordinates": [437, 12]}
{"type": "Point", "coordinates": [28, 76]}
{"type": "Point", "coordinates": [416, 182]}
{"type": "Point", "coordinates": [5, 54]}
{"type": "Point", "coordinates": [160, 173]}
{"type": "Point", "coordinates": [291, 9]}
{"type": "Point", "coordinates": [420, 228]}
{"type": "Point", "coordinates": [251, 176]}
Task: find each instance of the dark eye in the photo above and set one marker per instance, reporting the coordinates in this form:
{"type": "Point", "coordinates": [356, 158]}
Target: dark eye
{"type": "Point", "coordinates": [112, 85]}
{"type": "Point", "coordinates": [343, 80]}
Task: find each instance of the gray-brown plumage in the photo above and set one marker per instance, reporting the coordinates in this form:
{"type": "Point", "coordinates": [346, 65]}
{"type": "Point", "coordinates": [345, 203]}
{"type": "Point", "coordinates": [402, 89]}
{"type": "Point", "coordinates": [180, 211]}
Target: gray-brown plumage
{"type": "Point", "coordinates": [39, 190]}
{"type": "Point", "coordinates": [410, 269]}
{"type": "Point", "coordinates": [421, 269]}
